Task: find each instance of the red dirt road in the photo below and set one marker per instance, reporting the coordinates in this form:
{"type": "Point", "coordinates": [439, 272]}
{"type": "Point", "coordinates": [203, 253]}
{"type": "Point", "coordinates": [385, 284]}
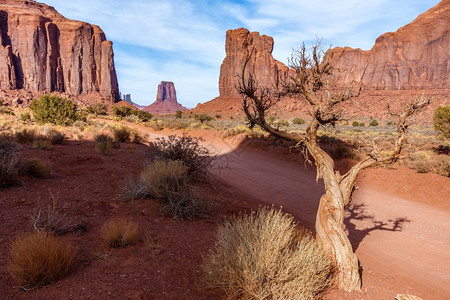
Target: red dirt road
{"type": "Point", "coordinates": [399, 220]}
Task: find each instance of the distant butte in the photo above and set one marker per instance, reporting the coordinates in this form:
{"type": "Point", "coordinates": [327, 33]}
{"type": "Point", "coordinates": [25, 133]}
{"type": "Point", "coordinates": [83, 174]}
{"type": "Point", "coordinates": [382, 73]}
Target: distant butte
{"type": "Point", "coordinates": [166, 100]}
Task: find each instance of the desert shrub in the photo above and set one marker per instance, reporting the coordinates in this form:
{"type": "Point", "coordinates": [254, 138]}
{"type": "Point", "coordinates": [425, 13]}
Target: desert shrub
{"type": "Point", "coordinates": [389, 123]}
{"type": "Point", "coordinates": [25, 136]}
{"type": "Point", "coordinates": [176, 124]}
{"type": "Point", "coordinates": [131, 188]}
{"type": "Point", "coordinates": [355, 123]}
{"type": "Point", "coordinates": [121, 111]}
{"type": "Point", "coordinates": [425, 161]}
{"type": "Point", "coordinates": [55, 110]}
{"type": "Point", "coordinates": [35, 167]}
{"type": "Point", "coordinates": [217, 116]}
{"type": "Point", "coordinates": [298, 121]}
{"type": "Point", "coordinates": [120, 233]}
{"type": "Point", "coordinates": [261, 255]}
{"type": "Point", "coordinates": [238, 129]}
{"type": "Point", "coordinates": [155, 125]}
{"type": "Point", "coordinates": [203, 117]}
{"type": "Point", "coordinates": [5, 110]}
{"type": "Point", "coordinates": [56, 137]}
{"type": "Point", "coordinates": [168, 181]}
{"type": "Point", "coordinates": [373, 123]}
{"type": "Point", "coordinates": [10, 163]}
{"type": "Point", "coordinates": [143, 115]}
{"type": "Point", "coordinates": [441, 165]}
{"type": "Point", "coordinates": [162, 177]}
{"type": "Point", "coordinates": [42, 142]}
{"type": "Point", "coordinates": [441, 120]}
{"type": "Point", "coordinates": [281, 123]}
{"type": "Point", "coordinates": [186, 149]}
{"type": "Point", "coordinates": [122, 134]}
{"type": "Point", "coordinates": [362, 124]}
{"type": "Point", "coordinates": [178, 114]}
{"type": "Point", "coordinates": [98, 109]}
{"type": "Point", "coordinates": [25, 117]}
{"type": "Point", "coordinates": [132, 119]}
{"type": "Point", "coordinates": [39, 258]}
{"type": "Point", "coordinates": [104, 144]}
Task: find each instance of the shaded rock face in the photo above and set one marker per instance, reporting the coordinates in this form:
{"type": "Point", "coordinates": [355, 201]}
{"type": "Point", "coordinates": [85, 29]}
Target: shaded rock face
{"type": "Point", "coordinates": [41, 51]}
{"type": "Point", "coordinates": [417, 56]}
{"type": "Point", "coordinates": [166, 100]}
{"type": "Point", "coordinates": [265, 69]}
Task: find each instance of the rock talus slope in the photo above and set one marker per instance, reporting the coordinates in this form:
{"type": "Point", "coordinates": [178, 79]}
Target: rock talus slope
{"type": "Point", "coordinates": [166, 100]}
{"type": "Point", "coordinates": [41, 51]}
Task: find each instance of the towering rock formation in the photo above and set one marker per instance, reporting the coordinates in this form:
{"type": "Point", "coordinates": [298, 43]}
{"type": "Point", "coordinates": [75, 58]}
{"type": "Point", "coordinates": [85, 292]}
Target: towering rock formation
{"type": "Point", "coordinates": [41, 51]}
{"type": "Point", "coordinates": [417, 56]}
{"type": "Point", "coordinates": [166, 100]}
{"type": "Point", "coordinates": [413, 60]}
{"type": "Point", "coordinates": [238, 45]}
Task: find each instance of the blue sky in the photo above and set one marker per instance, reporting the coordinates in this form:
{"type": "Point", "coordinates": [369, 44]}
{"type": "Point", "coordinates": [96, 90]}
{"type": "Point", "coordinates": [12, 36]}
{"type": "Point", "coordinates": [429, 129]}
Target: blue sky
{"type": "Point", "coordinates": [184, 40]}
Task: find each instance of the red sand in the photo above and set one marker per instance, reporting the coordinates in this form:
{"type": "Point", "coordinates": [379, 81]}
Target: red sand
{"type": "Point", "coordinates": [413, 259]}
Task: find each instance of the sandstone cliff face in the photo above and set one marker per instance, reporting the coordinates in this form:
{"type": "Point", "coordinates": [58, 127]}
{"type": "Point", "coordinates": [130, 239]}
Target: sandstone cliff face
{"type": "Point", "coordinates": [239, 43]}
{"type": "Point", "coordinates": [417, 56]}
{"type": "Point", "coordinates": [166, 100]}
{"type": "Point", "coordinates": [41, 51]}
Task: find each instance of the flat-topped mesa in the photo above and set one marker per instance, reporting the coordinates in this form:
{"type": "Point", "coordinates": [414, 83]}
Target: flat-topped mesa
{"type": "Point", "coordinates": [166, 100]}
{"type": "Point", "coordinates": [416, 56]}
{"type": "Point", "coordinates": [41, 51]}
{"type": "Point", "coordinates": [238, 45]}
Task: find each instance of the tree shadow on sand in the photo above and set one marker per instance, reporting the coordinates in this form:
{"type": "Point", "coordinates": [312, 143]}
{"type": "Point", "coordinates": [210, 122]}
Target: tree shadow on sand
{"type": "Point", "coordinates": [358, 212]}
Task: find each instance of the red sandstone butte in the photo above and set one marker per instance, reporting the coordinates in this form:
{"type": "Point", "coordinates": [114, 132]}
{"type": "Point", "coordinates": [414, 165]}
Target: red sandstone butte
{"type": "Point", "coordinates": [166, 100]}
{"type": "Point", "coordinates": [42, 51]}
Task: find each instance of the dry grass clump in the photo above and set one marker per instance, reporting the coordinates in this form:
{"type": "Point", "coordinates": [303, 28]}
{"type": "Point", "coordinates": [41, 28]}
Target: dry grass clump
{"type": "Point", "coordinates": [261, 256]}
{"type": "Point", "coordinates": [186, 149]}
{"type": "Point", "coordinates": [104, 144]}
{"type": "Point", "coordinates": [122, 134]}
{"type": "Point", "coordinates": [56, 137]}
{"type": "Point", "coordinates": [120, 233]}
{"type": "Point", "coordinates": [10, 163]}
{"type": "Point", "coordinates": [35, 167]}
{"type": "Point", "coordinates": [169, 182]}
{"type": "Point", "coordinates": [426, 161]}
{"type": "Point", "coordinates": [39, 258]}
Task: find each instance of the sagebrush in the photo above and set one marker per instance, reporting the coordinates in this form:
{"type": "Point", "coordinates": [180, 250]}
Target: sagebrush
{"type": "Point", "coordinates": [262, 255]}
{"type": "Point", "coordinates": [187, 149]}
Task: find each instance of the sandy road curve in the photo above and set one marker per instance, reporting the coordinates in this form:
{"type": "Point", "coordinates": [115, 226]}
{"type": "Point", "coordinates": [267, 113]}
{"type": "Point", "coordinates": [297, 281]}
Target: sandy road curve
{"type": "Point", "coordinates": [403, 244]}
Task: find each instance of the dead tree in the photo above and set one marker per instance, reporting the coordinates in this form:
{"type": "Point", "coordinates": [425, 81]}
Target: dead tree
{"type": "Point", "coordinates": [311, 78]}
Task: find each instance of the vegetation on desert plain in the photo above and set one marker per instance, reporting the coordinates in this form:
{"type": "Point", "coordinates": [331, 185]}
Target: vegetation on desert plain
{"type": "Point", "coordinates": [176, 164]}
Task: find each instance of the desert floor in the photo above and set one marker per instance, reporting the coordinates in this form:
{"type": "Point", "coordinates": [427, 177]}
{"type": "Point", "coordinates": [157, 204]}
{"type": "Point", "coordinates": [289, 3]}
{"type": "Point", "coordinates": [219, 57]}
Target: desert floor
{"type": "Point", "coordinates": [398, 221]}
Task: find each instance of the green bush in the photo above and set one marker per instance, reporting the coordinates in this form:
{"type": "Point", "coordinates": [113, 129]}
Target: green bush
{"type": "Point", "coordinates": [121, 111]}
{"type": "Point", "coordinates": [298, 121]}
{"type": "Point", "coordinates": [262, 255]}
{"type": "Point", "coordinates": [203, 117]}
{"type": "Point", "coordinates": [441, 120]}
{"type": "Point", "coordinates": [143, 115]}
{"type": "Point", "coordinates": [25, 117]}
{"type": "Point", "coordinates": [373, 123]}
{"type": "Point", "coordinates": [98, 109]}
{"type": "Point", "coordinates": [355, 123]}
{"type": "Point", "coordinates": [218, 116]}
{"type": "Point", "coordinates": [55, 110]}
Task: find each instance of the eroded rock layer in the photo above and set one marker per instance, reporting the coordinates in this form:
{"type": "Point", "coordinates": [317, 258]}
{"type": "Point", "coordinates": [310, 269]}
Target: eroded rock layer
{"type": "Point", "coordinates": [41, 51]}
